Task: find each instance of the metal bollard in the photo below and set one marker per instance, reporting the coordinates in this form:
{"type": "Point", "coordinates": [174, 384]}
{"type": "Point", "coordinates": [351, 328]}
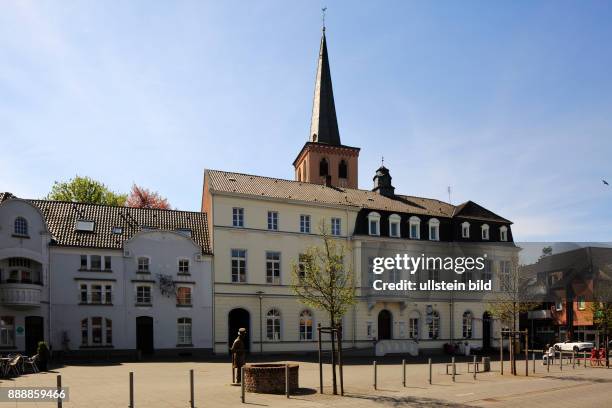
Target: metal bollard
{"type": "Point", "coordinates": [192, 399]}
{"type": "Point", "coordinates": [375, 377]}
{"type": "Point", "coordinates": [59, 390]}
{"type": "Point", "coordinates": [453, 362]}
{"type": "Point", "coordinates": [533, 355]}
{"type": "Point", "coordinates": [429, 362]}
{"type": "Point", "coordinates": [474, 367]}
{"type": "Point", "coordinates": [585, 358]}
{"type": "Point", "coordinates": [242, 384]}
{"type": "Point", "coordinates": [404, 373]}
{"type": "Point", "coordinates": [573, 360]}
{"type": "Point", "coordinates": [561, 361]}
{"type": "Point", "coordinates": [548, 363]}
{"type": "Point", "coordinates": [287, 380]}
{"type": "Point", "coordinates": [131, 390]}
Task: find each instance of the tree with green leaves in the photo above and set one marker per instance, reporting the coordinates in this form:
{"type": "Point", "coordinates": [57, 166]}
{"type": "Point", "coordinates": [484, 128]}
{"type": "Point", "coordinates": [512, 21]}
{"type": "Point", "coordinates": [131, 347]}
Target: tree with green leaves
{"type": "Point", "coordinates": [85, 190]}
{"type": "Point", "coordinates": [322, 280]}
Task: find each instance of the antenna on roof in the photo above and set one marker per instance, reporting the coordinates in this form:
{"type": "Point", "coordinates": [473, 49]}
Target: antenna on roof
{"type": "Point", "coordinates": [449, 194]}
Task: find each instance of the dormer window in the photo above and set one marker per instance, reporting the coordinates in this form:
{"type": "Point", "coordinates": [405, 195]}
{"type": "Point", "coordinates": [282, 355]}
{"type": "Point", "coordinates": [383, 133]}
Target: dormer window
{"type": "Point", "coordinates": [184, 231]}
{"type": "Point", "coordinates": [415, 227]}
{"type": "Point", "coordinates": [503, 233]}
{"type": "Point", "coordinates": [484, 232]}
{"type": "Point", "coordinates": [434, 229]}
{"type": "Point", "coordinates": [117, 230]}
{"type": "Point", "coordinates": [465, 230]}
{"type": "Point", "coordinates": [84, 225]}
{"type": "Point", "coordinates": [374, 223]}
{"type": "Point", "coordinates": [394, 225]}
{"type": "Point", "coordinates": [21, 227]}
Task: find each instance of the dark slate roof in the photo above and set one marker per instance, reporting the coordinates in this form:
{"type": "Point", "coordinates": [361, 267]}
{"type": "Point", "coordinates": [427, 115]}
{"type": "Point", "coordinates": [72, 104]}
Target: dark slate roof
{"type": "Point", "coordinates": [258, 186]}
{"type": "Point", "coordinates": [473, 211]}
{"type": "Point", "coordinates": [61, 218]}
{"type": "Point", "coordinates": [324, 123]}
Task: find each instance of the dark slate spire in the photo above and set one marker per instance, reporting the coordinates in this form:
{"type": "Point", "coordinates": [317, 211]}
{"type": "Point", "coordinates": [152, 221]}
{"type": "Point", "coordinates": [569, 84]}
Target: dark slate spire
{"type": "Point", "coordinates": [324, 124]}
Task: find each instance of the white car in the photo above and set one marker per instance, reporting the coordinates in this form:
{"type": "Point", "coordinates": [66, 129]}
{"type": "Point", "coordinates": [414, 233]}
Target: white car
{"type": "Point", "coordinates": [568, 345]}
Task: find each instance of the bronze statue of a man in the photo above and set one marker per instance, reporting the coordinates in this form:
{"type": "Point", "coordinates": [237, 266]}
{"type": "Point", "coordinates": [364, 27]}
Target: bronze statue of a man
{"type": "Point", "coordinates": [239, 353]}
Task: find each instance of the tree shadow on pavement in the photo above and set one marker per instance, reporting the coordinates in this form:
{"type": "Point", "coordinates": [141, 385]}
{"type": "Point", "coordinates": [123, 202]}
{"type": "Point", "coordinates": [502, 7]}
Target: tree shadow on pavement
{"type": "Point", "coordinates": [408, 401]}
{"type": "Point", "coordinates": [582, 379]}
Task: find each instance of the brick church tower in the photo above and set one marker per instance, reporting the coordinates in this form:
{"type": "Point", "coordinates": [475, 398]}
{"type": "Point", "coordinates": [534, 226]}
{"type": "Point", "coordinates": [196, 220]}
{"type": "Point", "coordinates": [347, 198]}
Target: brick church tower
{"type": "Point", "coordinates": [324, 159]}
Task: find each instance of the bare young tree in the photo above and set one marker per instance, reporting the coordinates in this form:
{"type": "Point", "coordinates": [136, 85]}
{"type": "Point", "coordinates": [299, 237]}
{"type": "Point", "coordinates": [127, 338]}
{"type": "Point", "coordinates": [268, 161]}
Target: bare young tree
{"type": "Point", "coordinates": [322, 280]}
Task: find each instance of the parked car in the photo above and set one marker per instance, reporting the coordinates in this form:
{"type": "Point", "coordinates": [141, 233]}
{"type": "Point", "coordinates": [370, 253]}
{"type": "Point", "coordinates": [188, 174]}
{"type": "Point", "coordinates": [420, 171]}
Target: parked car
{"type": "Point", "coordinates": [569, 345]}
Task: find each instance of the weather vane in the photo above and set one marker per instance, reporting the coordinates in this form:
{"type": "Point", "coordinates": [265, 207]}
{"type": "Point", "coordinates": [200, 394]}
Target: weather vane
{"type": "Point", "coordinates": [382, 160]}
{"type": "Point", "coordinates": [323, 11]}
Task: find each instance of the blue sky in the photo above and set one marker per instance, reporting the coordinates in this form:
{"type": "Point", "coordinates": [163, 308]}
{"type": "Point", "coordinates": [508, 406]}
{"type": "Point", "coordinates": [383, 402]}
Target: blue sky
{"type": "Point", "coordinates": [510, 103]}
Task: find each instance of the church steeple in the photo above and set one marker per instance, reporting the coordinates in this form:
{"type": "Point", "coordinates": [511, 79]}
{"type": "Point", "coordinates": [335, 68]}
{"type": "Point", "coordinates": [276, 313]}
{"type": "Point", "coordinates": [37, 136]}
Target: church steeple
{"type": "Point", "coordinates": [324, 124]}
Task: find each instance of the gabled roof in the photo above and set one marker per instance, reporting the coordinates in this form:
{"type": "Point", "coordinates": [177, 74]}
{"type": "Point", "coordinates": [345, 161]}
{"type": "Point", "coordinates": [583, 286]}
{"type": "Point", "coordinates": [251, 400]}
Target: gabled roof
{"type": "Point", "coordinates": [474, 211]}
{"type": "Point", "coordinates": [61, 218]}
{"type": "Point", "coordinates": [324, 123]}
{"type": "Point", "coordinates": [258, 186]}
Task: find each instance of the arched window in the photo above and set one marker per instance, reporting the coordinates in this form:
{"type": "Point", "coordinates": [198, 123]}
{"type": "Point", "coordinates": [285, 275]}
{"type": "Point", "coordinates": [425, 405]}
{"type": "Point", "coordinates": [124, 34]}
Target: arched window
{"type": "Point", "coordinates": [343, 169]}
{"type": "Point", "coordinates": [394, 225]}
{"type": "Point", "coordinates": [433, 325]}
{"type": "Point", "coordinates": [415, 227]}
{"type": "Point", "coordinates": [434, 229]}
{"type": "Point", "coordinates": [374, 223]}
{"type": "Point", "coordinates": [484, 232]}
{"type": "Point", "coordinates": [503, 233]}
{"type": "Point", "coordinates": [465, 230]}
{"type": "Point", "coordinates": [467, 325]}
{"type": "Point", "coordinates": [323, 168]}
{"type": "Point", "coordinates": [21, 226]}
{"type": "Point", "coordinates": [273, 329]}
{"type": "Point", "coordinates": [306, 325]}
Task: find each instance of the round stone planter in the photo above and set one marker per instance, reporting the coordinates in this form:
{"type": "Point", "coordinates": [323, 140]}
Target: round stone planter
{"type": "Point", "coordinates": [269, 378]}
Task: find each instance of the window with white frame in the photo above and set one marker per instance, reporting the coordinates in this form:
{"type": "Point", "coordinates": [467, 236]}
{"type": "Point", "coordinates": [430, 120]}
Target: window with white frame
{"type": "Point", "coordinates": [7, 331]}
{"type": "Point", "coordinates": [238, 217]}
{"type": "Point", "coordinates": [96, 293]}
{"type": "Point", "coordinates": [273, 220]}
{"type": "Point", "coordinates": [96, 331]}
{"type": "Point", "coordinates": [336, 226]}
{"type": "Point", "coordinates": [503, 233]}
{"type": "Point", "coordinates": [413, 327]}
{"type": "Point", "coordinates": [20, 227]}
{"type": "Point", "coordinates": [374, 223]}
{"type": "Point", "coordinates": [487, 270]}
{"type": "Point", "coordinates": [484, 232]}
{"type": "Point", "coordinates": [465, 230]}
{"type": "Point", "coordinates": [95, 262]}
{"type": "Point", "coordinates": [434, 229]}
{"type": "Point", "coordinates": [183, 296]}
{"type": "Point", "coordinates": [273, 268]}
{"type": "Point", "coordinates": [394, 226]}
{"type": "Point", "coordinates": [467, 325]}
{"type": "Point", "coordinates": [143, 264]}
{"type": "Point", "coordinates": [273, 322]}
{"type": "Point", "coordinates": [239, 267]}
{"type": "Point", "coordinates": [505, 280]}
{"type": "Point", "coordinates": [433, 325]}
{"type": "Point", "coordinates": [305, 224]}
{"type": "Point", "coordinates": [183, 266]}
{"type": "Point", "coordinates": [414, 224]}
{"type": "Point", "coordinates": [143, 295]}
{"type": "Point", "coordinates": [303, 260]}
{"type": "Point", "coordinates": [184, 331]}
{"type": "Point", "coordinates": [306, 325]}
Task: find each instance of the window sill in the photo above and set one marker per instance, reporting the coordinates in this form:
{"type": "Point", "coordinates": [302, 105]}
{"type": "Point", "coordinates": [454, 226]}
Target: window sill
{"type": "Point", "coordinates": [94, 304]}
{"type": "Point", "coordinates": [143, 305]}
{"type": "Point", "coordinates": [143, 272]}
{"type": "Point", "coordinates": [183, 274]}
{"type": "Point", "coordinates": [184, 305]}
{"type": "Point", "coordinates": [20, 236]}
{"type": "Point", "coordinates": [184, 345]}
{"type": "Point", "coordinates": [96, 270]}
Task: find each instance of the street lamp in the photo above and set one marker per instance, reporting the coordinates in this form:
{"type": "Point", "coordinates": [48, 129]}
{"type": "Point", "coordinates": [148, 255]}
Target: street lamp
{"type": "Point", "coordinates": [260, 294]}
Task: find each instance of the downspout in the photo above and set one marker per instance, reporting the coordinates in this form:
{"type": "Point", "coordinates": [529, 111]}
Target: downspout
{"type": "Point", "coordinates": [354, 308]}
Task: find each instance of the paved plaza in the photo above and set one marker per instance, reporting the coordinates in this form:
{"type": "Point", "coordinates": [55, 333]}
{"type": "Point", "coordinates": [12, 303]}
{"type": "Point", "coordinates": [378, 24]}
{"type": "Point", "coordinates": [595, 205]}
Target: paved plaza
{"type": "Point", "coordinates": [166, 384]}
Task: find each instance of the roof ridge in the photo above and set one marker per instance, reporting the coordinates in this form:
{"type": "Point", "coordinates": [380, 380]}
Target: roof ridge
{"type": "Point", "coordinates": [111, 206]}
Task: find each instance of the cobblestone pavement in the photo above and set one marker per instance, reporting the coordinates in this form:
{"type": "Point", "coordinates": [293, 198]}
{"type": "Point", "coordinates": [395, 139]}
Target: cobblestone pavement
{"type": "Point", "coordinates": [166, 384]}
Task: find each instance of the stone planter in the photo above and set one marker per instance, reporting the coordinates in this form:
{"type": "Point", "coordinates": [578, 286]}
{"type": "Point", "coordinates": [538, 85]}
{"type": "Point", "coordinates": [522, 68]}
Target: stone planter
{"type": "Point", "coordinates": [269, 378]}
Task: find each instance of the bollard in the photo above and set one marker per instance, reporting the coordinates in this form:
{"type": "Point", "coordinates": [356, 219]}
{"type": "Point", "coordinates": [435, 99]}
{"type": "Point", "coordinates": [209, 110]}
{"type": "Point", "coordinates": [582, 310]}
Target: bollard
{"type": "Point", "coordinates": [573, 360]}
{"type": "Point", "coordinates": [561, 361]}
{"type": "Point", "coordinates": [287, 380]}
{"type": "Point", "coordinates": [585, 358]}
{"type": "Point", "coordinates": [131, 390]}
{"type": "Point", "coordinates": [533, 355]}
{"type": "Point", "coordinates": [429, 362]}
{"type": "Point", "coordinates": [548, 364]}
{"type": "Point", "coordinates": [453, 362]}
{"type": "Point", "coordinates": [474, 367]}
{"type": "Point", "coordinates": [242, 384]}
{"type": "Point", "coordinates": [404, 373]}
{"type": "Point", "coordinates": [192, 400]}
{"type": "Point", "coordinates": [375, 378]}
{"type": "Point", "coordinates": [59, 390]}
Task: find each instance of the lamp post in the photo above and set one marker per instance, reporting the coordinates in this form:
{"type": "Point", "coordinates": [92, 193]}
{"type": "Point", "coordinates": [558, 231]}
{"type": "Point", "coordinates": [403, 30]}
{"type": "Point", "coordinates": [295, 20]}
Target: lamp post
{"type": "Point", "coordinates": [260, 294]}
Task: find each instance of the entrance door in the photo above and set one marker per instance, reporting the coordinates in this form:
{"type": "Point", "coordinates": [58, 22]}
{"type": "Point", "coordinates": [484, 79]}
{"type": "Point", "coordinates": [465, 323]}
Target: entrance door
{"type": "Point", "coordinates": [34, 332]}
{"type": "Point", "coordinates": [486, 330]}
{"type": "Point", "coordinates": [237, 319]}
{"type": "Point", "coordinates": [384, 325]}
{"type": "Point", "coordinates": [144, 334]}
